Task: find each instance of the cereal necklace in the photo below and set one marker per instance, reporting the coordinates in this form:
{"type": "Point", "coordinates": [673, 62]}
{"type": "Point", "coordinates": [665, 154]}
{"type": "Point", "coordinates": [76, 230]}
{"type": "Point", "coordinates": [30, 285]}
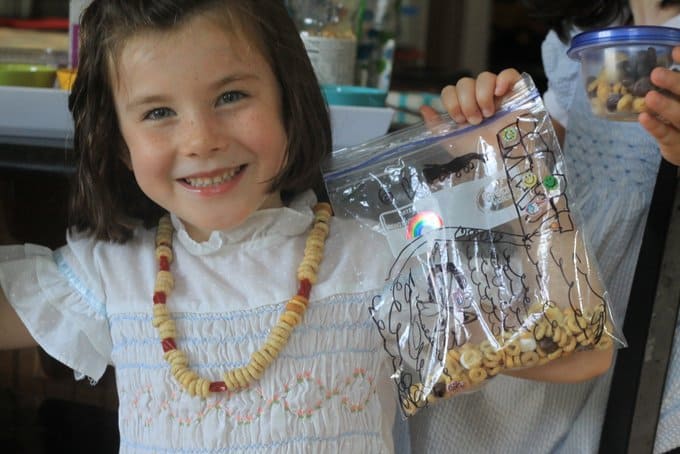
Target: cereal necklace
{"type": "Point", "coordinates": [238, 378]}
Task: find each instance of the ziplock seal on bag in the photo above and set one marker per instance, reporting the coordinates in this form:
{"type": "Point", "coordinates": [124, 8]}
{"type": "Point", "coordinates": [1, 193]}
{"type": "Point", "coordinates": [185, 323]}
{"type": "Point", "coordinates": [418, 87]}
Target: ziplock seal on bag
{"type": "Point", "coordinates": [490, 269]}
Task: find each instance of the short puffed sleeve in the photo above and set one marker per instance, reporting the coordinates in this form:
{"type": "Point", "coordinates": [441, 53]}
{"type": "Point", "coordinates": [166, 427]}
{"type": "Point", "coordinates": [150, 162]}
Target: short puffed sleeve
{"type": "Point", "coordinates": [58, 296]}
{"type": "Point", "coordinates": [563, 77]}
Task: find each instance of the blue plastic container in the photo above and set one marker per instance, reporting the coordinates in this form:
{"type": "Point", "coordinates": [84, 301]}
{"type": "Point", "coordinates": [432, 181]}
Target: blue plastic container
{"type": "Point", "coordinates": [616, 63]}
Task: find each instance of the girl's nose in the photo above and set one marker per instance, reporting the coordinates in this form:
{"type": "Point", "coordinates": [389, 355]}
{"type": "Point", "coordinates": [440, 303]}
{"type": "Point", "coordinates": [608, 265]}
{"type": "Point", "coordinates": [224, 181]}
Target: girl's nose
{"type": "Point", "coordinates": [204, 135]}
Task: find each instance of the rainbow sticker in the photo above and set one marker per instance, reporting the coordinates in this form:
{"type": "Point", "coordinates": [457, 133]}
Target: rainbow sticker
{"type": "Point", "coordinates": [423, 222]}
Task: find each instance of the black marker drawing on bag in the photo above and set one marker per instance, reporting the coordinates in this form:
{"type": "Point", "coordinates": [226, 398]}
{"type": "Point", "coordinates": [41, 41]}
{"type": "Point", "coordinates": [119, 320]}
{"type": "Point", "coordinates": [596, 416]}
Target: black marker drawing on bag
{"type": "Point", "coordinates": [440, 172]}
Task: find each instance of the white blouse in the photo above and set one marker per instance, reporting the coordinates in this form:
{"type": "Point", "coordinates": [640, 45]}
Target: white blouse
{"type": "Point", "coordinates": [89, 304]}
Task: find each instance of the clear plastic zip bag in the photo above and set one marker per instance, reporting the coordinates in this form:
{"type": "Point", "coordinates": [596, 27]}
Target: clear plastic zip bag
{"type": "Point", "coordinates": [490, 269]}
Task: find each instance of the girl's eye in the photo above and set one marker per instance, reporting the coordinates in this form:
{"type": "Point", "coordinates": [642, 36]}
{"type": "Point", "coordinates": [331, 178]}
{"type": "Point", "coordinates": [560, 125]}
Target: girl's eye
{"type": "Point", "coordinates": [230, 97]}
{"type": "Point", "coordinates": [158, 114]}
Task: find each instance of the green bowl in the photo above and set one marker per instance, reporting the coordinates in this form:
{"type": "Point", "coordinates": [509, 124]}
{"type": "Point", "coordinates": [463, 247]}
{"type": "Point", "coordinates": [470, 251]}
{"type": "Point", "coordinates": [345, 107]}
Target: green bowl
{"type": "Point", "coordinates": [351, 95]}
{"type": "Point", "coordinates": [27, 75]}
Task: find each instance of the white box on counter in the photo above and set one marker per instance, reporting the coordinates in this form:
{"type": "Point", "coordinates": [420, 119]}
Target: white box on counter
{"type": "Point", "coordinates": [34, 113]}
{"type": "Point", "coordinates": [353, 125]}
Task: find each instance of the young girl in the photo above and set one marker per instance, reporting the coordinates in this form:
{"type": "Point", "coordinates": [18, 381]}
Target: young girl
{"type": "Point", "coordinates": [240, 321]}
{"type": "Point", "coordinates": [613, 168]}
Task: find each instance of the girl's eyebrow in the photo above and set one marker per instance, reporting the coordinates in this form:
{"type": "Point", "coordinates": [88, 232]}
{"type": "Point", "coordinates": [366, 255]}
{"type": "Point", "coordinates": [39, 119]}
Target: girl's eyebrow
{"type": "Point", "coordinates": [233, 78]}
{"type": "Point", "coordinates": [150, 99]}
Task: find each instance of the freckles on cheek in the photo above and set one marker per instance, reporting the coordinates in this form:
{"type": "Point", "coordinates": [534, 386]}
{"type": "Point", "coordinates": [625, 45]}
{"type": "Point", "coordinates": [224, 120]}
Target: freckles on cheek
{"type": "Point", "coordinates": [144, 150]}
{"type": "Point", "coordinates": [145, 165]}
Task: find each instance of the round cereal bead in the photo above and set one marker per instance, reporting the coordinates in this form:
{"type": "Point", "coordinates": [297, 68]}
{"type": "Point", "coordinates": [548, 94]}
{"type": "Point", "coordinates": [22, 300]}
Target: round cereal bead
{"type": "Point", "coordinates": [477, 375]}
{"type": "Point", "coordinates": [470, 358]}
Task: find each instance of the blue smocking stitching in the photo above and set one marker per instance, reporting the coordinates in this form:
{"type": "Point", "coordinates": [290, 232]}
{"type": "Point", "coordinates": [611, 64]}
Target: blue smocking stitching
{"type": "Point", "coordinates": [92, 301]}
{"type": "Point", "coordinates": [239, 314]}
{"type": "Point", "coordinates": [196, 340]}
{"type": "Point", "coordinates": [232, 364]}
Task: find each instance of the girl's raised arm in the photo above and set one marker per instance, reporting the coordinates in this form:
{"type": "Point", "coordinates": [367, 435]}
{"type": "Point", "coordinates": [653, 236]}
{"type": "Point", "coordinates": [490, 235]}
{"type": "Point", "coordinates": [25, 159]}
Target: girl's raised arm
{"type": "Point", "coordinates": [13, 333]}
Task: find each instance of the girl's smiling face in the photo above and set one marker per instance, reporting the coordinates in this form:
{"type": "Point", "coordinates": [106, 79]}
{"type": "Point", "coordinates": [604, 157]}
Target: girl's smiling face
{"type": "Point", "coordinates": [200, 112]}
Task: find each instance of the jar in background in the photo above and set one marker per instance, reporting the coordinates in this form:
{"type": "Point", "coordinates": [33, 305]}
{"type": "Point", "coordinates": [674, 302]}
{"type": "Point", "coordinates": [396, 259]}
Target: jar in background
{"type": "Point", "coordinates": [327, 29]}
{"type": "Point", "coordinates": [376, 43]}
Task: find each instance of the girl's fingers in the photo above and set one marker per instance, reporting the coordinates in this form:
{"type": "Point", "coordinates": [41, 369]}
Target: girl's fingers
{"type": "Point", "coordinates": [666, 135]}
{"type": "Point", "coordinates": [654, 127]}
{"type": "Point", "coordinates": [666, 79]}
{"type": "Point", "coordinates": [506, 80]}
{"type": "Point", "coordinates": [449, 98]}
{"type": "Point", "coordinates": [429, 115]}
{"type": "Point", "coordinates": [472, 100]}
{"type": "Point", "coordinates": [484, 89]}
{"type": "Point", "coordinates": [467, 99]}
{"type": "Point", "coordinates": [665, 106]}
{"type": "Point", "coordinates": [663, 119]}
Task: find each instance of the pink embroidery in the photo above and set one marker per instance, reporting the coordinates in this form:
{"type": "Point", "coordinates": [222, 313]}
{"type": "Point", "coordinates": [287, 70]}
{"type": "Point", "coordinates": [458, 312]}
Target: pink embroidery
{"type": "Point", "coordinates": [353, 392]}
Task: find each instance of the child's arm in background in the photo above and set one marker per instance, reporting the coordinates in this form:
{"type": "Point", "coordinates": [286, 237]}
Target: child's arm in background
{"type": "Point", "coordinates": [666, 133]}
{"type": "Point", "coordinates": [13, 333]}
{"type": "Point", "coordinates": [577, 367]}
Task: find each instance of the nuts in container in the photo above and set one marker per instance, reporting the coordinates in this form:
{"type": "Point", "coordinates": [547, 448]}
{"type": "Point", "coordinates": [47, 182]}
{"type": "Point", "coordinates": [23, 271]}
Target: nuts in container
{"type": "Point", "coordinates": [616, 64]}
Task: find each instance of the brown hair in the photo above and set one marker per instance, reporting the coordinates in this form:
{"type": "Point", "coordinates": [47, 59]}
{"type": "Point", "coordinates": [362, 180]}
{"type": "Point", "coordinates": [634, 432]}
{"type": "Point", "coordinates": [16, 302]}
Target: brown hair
{"type": "Point", "coordinates": [563, 15]}
{"type": "Point", "coordinates": [106, 200]}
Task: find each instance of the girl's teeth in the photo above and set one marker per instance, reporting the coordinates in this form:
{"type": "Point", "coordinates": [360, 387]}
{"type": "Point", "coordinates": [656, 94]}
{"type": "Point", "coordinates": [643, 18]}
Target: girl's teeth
{"type": "Point", "coordinates": [205, 182]}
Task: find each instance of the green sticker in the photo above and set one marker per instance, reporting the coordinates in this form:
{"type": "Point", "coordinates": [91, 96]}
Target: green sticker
{"type": "Point", "coordinates": [550, 182]}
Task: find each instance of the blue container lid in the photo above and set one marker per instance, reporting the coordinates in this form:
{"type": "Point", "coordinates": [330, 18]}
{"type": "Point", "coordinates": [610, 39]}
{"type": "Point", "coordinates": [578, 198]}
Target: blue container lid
{"type": "Point", "coordinates": [636, 34]}
{"type": "Point", "coordinates": [353, 95]}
